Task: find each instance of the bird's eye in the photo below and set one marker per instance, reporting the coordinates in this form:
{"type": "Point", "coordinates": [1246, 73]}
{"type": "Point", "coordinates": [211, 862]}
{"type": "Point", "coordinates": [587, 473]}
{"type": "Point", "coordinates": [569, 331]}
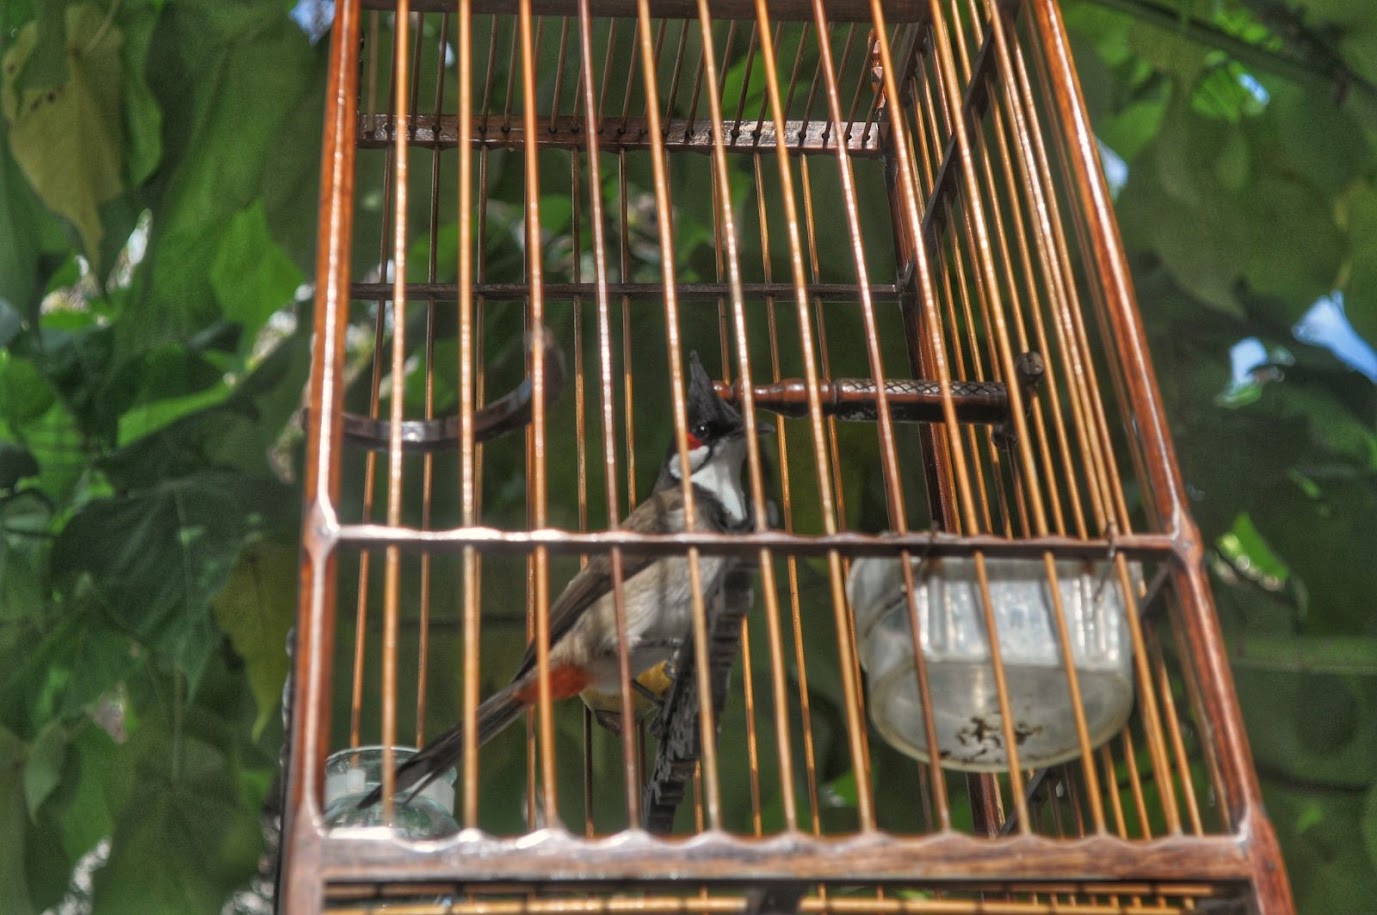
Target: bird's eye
{"type": "Point", "coordinates": [702, 431]}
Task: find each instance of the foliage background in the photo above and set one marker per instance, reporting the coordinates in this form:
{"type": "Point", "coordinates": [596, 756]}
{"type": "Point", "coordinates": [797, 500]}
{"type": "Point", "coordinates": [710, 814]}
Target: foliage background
{"type": "Point", "coordinates": [148, 520]}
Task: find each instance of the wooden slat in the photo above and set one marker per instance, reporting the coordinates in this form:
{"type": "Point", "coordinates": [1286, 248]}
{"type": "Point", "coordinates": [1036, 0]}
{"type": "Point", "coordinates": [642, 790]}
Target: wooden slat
{"type": "Point", "coordinates": [788, 10]}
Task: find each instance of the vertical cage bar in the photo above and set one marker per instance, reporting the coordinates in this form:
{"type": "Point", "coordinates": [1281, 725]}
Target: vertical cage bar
{"type": "Point", "coordinates": [393, 557]}
{"type": "Point", "coordinates": [538, 494]}
{"type": "Point", "coordinates": [313, 663]}
{"type": "Point", "coordinates": [469, 344]}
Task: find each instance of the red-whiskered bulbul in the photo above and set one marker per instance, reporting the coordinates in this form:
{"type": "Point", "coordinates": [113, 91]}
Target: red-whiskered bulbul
{"type": "Point", "coordinates": [656, 592]}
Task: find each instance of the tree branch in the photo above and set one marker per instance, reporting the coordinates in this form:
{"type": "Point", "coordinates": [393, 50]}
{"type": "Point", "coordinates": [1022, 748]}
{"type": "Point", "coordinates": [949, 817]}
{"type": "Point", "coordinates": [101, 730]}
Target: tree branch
{"type": "Point", "coordinates": [1310, 58]}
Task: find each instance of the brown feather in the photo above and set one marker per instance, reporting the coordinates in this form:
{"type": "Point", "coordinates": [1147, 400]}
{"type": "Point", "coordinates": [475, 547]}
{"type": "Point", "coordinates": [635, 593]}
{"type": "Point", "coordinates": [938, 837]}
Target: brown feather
{"type": "Point", "coordinates": [595, 579]}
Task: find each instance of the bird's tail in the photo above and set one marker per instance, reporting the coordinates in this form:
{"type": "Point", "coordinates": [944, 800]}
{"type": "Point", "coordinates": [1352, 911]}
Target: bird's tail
{"type": "Point", "coordinates": [445, 751]}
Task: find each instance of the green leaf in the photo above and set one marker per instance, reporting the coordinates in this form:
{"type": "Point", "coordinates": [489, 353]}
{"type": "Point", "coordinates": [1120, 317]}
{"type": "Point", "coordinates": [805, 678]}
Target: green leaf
{"type": "Point", "coordinates": [143, 117]}
{"type": "Point", "coordinates": [1321, 837]}
{"type": "Point", "coordinates": [1302, 117]}
{"type": "Point", "coordinates": [48, 67]}
{"type": "Point", "coordinates": [446, 254]}
{"type": "Point", "coordinates": [185, 814]}
{"type": "Point", "coordinates": [11, 323]}
{"type": "Point", "coordinates": [251, 277]}
{"type": "Point", "coordinates": [556, 214]}
{"type": "Point", "coordinates": [256, 609]}
{"type": "Point", "coordinates": [101, 779]}
{"type": "Point", "coordinates": [1098, 28]}
{"type": "Point", "coordinates": [182, 448]}
{"type": "Point", "coordinates": [32, 865]}
{"type": "Point", "coordinates": [1175, 205]}
{"type": "Point", "coordinates": [1350, 21]}
{"type": "Point", "coordinates": [1328, 540]}
{"type": "Point", "coordinates": [16, 463]}
{"type": "Point", "coordinates": [68, 138]}
{"type": "Point", "coordinates": [1196, 238]}
{"type": "Point", "coordinates": [144, 420]}
{"type": "Point", "coordinates": [179, 300]}
{"type": "Point", "coordinates": [24, 393]}
{"type": "Point", "coordinates": [238, 77]}
{"type": "Point", "coordinates": [43, 770]}
{"type": "Point", "coordinates": [1252, 555]}
{"type": "Point", "coordinates": [78, 366]}
{"type": "Point", "coordinates": [24, 518]}
{"type": "Point", "coordinates": [1360, 292]}
{"type": "Point", "coordinates": [98, 658]}
{"type": "Point", "coordinates": [161, 385]}
{"type": "Point", "coordinates": [273, 393]}
{"type": "Point", "coordinates": [14, 824]}
{"type": "Point", "coordinates": [234, 434]}
{"type": "Point", "coordinates": [1334, 425]}
{"type": "Point", "coordinates": [1233, 220]}
{"type": "Point", "coordinates": [1310, 705]}
{"type": "Point", "coordinates": [1186, 146]}
{"type": "Point", "coordinates": [841, 791]}
{"type": "Point", "coordinates": [1169, 51]}
{"type": "Point", "coordinates": [1220, 93]}
{"type": "Point", "coordinates": [1193, 364]}
{"type": "Point", "coordinates": [1233, 167]}
{"type": "Point", "coordinates": [1369, 825]}
{"type": "Point", "coordinates": [444, 386]}
{"type": "Point", "coordinates": [1292, 248]}
{"type": "Point", "coordinates": [155, 558]}
{"type": "Point", "coordinates": [58, 444]}
{"type": "Point", "coordinates": [65, 670]}
{"type": "Point", "coordinates": [1130, 130]}
{"type": "Point", "coordinates": [28, 230]}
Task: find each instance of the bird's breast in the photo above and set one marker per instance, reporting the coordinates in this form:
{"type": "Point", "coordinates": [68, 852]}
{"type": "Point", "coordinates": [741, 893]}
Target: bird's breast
{"type": "Point", "coordinates": [658, 604]}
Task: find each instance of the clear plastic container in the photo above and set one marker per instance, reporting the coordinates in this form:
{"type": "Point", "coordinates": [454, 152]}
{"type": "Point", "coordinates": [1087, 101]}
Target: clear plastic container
{"type": "Point", "coordinates": [951, 622]}
{"type": "Point", "coordinates": [351, 774]}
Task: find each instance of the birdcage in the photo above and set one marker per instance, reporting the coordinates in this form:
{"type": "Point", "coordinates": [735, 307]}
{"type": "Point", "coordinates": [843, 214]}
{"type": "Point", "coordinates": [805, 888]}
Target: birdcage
{"type": "Point", "coordinates": [883, 229]}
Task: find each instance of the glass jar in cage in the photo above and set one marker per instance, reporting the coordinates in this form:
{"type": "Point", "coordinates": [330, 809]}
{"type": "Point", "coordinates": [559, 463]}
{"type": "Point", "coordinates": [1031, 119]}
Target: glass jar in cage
{"type": "Point", "coordinates": [956, 648]}
{"type": "Point", "coordinates": [351, 774]}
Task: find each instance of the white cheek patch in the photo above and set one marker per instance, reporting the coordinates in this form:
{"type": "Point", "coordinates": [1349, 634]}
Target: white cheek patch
{"type": "Point", "coordinates": [722, 478]}
{"type": "Point", "coordinates": [697, 457]}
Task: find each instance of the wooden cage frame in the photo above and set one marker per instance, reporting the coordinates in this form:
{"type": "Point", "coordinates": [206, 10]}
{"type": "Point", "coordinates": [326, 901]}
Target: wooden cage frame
{"type": "Point", "coordinates": [1094, 867]}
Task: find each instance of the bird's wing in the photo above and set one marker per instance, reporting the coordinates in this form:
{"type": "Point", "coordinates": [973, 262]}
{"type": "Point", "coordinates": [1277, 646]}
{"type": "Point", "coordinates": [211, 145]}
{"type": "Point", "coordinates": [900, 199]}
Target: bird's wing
{"type": "Point", "coordinates": [595, 579]}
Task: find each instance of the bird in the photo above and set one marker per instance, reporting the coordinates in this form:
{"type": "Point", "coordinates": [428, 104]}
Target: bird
{"type": "Point", "coordinates": [657, 593]}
